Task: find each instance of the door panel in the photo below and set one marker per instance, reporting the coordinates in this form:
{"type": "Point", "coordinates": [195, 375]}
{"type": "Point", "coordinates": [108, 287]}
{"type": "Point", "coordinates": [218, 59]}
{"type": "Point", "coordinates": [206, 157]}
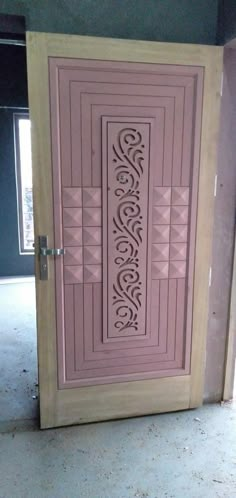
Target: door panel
{"type": "Point", "coordinates": [125, 211]}
{"type": "Point", "coordinates": [85, 94]}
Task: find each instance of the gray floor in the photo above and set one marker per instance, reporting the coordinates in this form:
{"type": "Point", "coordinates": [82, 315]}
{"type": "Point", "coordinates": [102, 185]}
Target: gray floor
{"type": "Point", "coordinates": [18, 359]}
{"type": "Point", "coordinates": [181, 455]}
{"type": "Point", "coordinates": [189, 454]}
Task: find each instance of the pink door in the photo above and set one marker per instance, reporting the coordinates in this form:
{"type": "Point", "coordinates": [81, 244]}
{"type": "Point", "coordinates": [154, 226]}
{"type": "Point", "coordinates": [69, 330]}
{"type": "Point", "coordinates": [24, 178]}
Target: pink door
{"type": "Point", "coordinates": [125, 141]}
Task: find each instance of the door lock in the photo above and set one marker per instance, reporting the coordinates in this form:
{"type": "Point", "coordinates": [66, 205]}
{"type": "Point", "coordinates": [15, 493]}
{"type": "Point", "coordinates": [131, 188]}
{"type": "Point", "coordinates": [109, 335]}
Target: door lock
{"type": "Point", "coordinates": [44, 252]}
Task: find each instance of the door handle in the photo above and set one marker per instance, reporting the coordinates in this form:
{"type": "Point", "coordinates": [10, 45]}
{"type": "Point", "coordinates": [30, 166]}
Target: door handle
{"type": "Point", "coordinates": [44, 252]}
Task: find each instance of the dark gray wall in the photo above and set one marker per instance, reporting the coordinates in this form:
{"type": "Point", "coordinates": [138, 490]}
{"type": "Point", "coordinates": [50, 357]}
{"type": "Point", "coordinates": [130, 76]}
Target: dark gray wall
{"type": "Point", "coordinates": [165, 20]}
{"type": "Point", "coordinates": [13, 76]}
{"type": "Point", "coordinates": [226, 21]}
{"type": "Point", "coordinates": [13, 92]}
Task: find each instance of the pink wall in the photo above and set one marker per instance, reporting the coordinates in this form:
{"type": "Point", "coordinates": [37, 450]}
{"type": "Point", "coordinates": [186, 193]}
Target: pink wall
{"type": "Point", "coordinates": [223, 235]}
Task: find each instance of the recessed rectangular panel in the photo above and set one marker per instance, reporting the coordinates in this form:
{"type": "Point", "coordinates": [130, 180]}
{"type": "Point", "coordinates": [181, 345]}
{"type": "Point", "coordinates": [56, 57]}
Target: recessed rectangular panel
{"type": "Point", "coordinates": [126, 178]}
{"type": "Point", "coordinates": [125, 200]}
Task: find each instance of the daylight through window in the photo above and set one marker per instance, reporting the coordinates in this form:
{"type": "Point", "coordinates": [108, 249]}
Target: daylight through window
{"type": "Point", "coordinates": [24, 182]}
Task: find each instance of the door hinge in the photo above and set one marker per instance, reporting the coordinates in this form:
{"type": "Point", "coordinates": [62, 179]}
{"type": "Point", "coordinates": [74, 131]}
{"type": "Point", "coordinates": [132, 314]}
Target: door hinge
{"type": "Point", "coordinates": [210, 273]}
{"type": "Point", "coordinates": [215, 186]}
{"type": "Point", "coordinates": [221, 84]}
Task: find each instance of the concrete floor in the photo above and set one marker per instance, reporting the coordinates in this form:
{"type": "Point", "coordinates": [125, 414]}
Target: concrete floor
{"type": "Point", "coordinates": [188, 454]}
{"type": "Point", "coordinates": [18, 358]}
{"type": "Point", "coordinates": [181, 455]}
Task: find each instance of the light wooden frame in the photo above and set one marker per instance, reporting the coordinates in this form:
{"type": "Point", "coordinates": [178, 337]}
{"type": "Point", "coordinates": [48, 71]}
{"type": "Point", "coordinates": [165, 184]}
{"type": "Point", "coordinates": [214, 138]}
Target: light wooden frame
{"type": "Point", "coordinates": [129, 398]}
{"type": "Point", "coordinates": [230, 354]}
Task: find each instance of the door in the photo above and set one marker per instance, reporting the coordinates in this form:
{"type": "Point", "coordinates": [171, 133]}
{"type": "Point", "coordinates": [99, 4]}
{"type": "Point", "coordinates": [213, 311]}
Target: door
{"type": "Point", "coordinates": [121, 187]}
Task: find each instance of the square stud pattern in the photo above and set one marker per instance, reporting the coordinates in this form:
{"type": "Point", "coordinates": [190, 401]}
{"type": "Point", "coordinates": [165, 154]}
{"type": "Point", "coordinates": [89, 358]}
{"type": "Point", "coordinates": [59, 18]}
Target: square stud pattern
{"type": "Point", "coordinates": [73, 274]}
{"type": "Point", "coordinates": [160, 252]}
{"type": "Point", "coordinates": [178, 233]}
{"type": "Point", "coordinates": [160, 270]}
{"type": "Point", "coordinates": [160, 233]}
{"type": "Point", "coordinates": [161, 215]}
{"type": "Point", "coordinates": [83, 233]}
{"type": "Point", "coordinates": [177, 269]}
{"type": "Point", "coordinates": [169, 232]}
{"type": "Point", "coordinates": [161, 196]}
{"type": "Point", "coordinates": [178, 252]}
{"type": "Point", "coordinates": [180, 196]}
{"type": "Point", "coordinates": [72, 197]}
{"type": "Point", "coordinates": [92, 197]}
{"type": "Point", "coordinates": [92, 236]}
{"type": "Point", "coordinates": [179, 215]}
{"type": "Point", "coordinates": [73, 256]}
{"type": "Point", "coordinates": [72, 217]}
{"type": "Point", "coordinates": [82, 216]}
{"type": "Point", "coordinates": [92, 273]}
{"type": "Point", "coordinates": [92, 255]}
{"type": "Point", "coordinates": [92, 217]}
{"type": "Point", "coordinates": [72, 236]}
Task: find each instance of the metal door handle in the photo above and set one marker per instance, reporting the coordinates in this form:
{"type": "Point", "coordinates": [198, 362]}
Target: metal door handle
{"type": "Point", "coordinates": [44, 251]}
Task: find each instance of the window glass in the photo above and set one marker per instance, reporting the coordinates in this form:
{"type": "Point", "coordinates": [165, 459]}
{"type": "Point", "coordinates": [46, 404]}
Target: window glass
{"type": "Point", "coordinates": [24, 183]}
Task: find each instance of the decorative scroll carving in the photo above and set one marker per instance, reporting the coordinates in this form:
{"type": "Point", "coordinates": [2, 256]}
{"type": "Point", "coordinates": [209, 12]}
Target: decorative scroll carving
{"type": "Point", "coordinates": [127, 229]}
{"type": "Point", "coordinates": [128, 173]}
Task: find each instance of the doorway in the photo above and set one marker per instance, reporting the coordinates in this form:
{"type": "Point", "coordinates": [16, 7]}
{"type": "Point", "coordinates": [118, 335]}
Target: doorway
{"type": "Point", "coordinates": [18, 350]}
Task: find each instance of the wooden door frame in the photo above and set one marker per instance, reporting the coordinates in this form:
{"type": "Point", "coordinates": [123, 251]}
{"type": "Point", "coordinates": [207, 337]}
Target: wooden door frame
{"type": "Point", "coordinates": [135, 395]}
{"type": "Point", "coordinates": [230, 352]}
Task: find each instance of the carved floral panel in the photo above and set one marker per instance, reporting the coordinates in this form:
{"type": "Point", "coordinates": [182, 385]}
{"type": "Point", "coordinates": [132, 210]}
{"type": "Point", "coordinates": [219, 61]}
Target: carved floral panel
{"type": "Point", "coordinates": [126, 212]}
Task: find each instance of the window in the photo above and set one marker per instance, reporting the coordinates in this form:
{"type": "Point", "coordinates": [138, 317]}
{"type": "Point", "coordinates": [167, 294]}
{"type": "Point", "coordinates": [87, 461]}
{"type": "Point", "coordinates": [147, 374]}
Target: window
{"type": "Point", "coordinates": [24, 183]}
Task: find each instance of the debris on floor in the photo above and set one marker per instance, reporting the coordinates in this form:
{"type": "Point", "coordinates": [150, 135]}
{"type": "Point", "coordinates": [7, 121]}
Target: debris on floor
{"type": "Point", "coordinates": [159, 456]}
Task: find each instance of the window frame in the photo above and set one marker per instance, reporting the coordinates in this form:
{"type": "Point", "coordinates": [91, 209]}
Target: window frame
{"type": "Point", "coordinates": [17, 116]}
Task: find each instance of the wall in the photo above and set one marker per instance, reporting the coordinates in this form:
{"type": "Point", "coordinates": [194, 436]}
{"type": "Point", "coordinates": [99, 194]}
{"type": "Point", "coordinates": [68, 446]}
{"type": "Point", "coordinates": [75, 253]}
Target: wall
{"type": "Point", "coordinates": [224, 227]}
{"type": "Point", "coordinates": [13, 92]}
{"type": "Point", "coordinates": [226, 21]}
{"type": "Point", "coordinates": [163, 20]}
